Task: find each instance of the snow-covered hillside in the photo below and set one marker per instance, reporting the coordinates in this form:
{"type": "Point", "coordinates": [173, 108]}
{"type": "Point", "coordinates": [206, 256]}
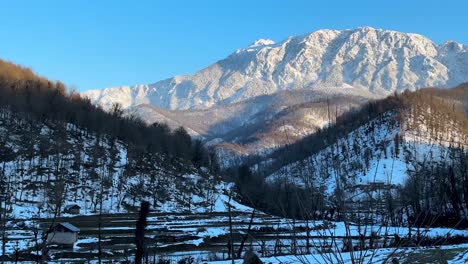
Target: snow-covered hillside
{"type": "Point", "coordinates": [381, 61]}
{"type": "Point", "coordinates": [46, 166]}
{"type": "Point", "coordinates": [365, 156]}
{"type": "Point", "coordinates": [259, 124]}
{"type": "Point", "coordinates": [383, 152]}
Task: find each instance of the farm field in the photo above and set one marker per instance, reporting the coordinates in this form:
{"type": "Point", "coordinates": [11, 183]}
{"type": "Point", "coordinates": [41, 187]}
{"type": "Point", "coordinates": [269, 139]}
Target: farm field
{"type": "Point", "coordinates": [204, 237]}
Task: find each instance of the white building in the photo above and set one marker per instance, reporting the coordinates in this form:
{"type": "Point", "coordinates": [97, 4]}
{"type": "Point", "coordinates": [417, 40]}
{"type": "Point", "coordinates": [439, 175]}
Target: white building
{"type": "Point", "coordinates": [63, 234]}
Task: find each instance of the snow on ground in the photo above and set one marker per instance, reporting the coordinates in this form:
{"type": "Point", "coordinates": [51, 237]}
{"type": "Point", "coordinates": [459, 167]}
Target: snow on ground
{"type": "Point", "coordinates": [368, 155]}
{"type": "Point", "coordinates": [369, 256]}
{"type": "Point", "coordinates": [35, 184]}
{"type": "Point", "coordinates": [199, 228]}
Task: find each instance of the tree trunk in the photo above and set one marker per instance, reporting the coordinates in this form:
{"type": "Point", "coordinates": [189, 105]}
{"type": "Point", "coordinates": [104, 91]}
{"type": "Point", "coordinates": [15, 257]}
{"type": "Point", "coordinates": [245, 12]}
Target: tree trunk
{"type": "Point", "coordinates": [140, 232]}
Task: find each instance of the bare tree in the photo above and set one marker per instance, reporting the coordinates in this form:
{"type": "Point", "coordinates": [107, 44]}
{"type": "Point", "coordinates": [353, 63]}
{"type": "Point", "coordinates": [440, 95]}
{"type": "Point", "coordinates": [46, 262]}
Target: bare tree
{"type": "Point", "coordinates": [140, 232]}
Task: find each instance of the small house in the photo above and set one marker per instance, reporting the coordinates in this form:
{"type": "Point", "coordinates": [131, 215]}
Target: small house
{"type": "Point", "coordinates": [63, 234]}
{"type": "Point", "coordinates": [72, 209]}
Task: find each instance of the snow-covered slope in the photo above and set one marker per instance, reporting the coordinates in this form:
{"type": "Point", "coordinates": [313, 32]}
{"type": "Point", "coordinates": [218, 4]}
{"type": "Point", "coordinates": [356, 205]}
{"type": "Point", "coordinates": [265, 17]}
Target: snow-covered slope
{"type": "Point", "coordinates": [383, 151]}
{"type": "Point", "coordinates": [47, 165]}
{"type": "Point", "coordinates": [260, 124]}
{"type": "Point", "coordinates": [381, 61]}
{"type": "Point", "coordinates": [361, 159]}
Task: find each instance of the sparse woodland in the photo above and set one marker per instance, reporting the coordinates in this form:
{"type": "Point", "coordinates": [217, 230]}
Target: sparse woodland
{"type": "Point", "coordinates": [400, 161]}
{"type": "Point", "coordinates": [58, 148]}
{"type": "Point", "coordinates": [22, 92]}
{"type": "Point", "coordinates": [423, 132]}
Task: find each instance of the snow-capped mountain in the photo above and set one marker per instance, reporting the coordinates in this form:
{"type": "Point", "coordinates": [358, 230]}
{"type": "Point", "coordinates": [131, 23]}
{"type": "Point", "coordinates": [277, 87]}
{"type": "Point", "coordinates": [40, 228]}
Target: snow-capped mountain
{"type": "Point", "coordinates": [380, 61]}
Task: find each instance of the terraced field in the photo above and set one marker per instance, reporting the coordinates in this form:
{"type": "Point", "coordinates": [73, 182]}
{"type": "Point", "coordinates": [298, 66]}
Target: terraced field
{"type": "Point", "coordinates": [202, 236]}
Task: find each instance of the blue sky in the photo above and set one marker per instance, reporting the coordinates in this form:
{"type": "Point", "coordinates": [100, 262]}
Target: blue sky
{"type": "Point", "coordinates": [92, 44]}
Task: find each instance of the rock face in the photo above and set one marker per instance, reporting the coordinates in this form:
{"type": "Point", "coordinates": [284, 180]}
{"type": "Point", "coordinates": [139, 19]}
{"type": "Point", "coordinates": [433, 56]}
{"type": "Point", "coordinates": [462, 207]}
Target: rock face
{"type": "Point", "coordinates": [380, 61]}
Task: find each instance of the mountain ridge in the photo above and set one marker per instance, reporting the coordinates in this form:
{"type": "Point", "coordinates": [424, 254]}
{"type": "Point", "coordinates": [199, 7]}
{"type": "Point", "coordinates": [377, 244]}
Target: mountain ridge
{"type": "Point", "coordinates": [381, 61]}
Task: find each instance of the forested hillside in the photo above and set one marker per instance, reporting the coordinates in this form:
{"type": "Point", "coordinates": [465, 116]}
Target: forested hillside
{"type": "Point", "coordinates": [56, 148]}
{"type": "Point", "coordinates": [21, 91]}
{"type": "Point", "coordinates": [258, 126]}
{"type": "Point", "coordinates": [406, 155]}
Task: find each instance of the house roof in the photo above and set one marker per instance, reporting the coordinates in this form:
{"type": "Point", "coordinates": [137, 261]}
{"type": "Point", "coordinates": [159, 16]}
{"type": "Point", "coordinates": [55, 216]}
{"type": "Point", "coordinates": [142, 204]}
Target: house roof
{"type": "Point", "coordinates": [70, 227]}
{"type": "Point", "coordinates": [71, 206]}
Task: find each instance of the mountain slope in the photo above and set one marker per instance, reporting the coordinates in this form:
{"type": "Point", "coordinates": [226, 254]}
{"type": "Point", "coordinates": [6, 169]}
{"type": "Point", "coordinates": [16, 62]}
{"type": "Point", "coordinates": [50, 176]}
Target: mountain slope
{"type": "Point", "coordinates": [437, 116]}
{"type": "Point", "coordinates": [417, 129]}
{"type": "Point", "coordinates": [219, 120]}
{"type": "Point", "coordinates": [404, 146]}
{"type": "Point", "coordinates": [260, 124]}
{"type": "Point", "coordinates": [381, 61]}
{"type": "Point", "coordinates": [48, 165]}
{"type": "Point", "coordinates": [58, 149]}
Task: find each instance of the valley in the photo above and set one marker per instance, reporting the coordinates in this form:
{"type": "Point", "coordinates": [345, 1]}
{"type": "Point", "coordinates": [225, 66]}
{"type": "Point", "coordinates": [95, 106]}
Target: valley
{"type": "Point", "coordinates": [244, 105]}
{"type": "Point", "coordinates": [338, 146]}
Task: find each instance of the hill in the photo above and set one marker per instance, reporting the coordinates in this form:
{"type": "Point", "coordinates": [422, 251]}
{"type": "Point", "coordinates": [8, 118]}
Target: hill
{"type": "Point", "coordinates": [59, 149]}
{"type": "Point", "coordinates": [406, 147]}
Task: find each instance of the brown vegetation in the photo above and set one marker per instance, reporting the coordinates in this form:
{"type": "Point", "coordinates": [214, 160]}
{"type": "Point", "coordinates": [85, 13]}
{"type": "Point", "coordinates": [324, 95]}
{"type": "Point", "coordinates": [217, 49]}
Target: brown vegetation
{"type": "Point", "coordinates": [21, 91]}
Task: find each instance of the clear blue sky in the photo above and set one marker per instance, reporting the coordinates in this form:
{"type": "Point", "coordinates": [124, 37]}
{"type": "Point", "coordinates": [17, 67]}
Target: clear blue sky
{"type": "Point", "coordinates": [101, 43]}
